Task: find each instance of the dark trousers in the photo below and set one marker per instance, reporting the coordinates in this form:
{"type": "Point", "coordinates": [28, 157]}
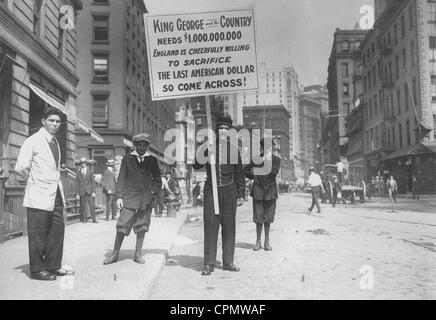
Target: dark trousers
{"type": "Point", "coordinates": [111, 205]}
{"type": "Point", "coordinates": [227, 197]}
{"type": "Point", "coordinates": [316, 191]}
{"type": "Point", "coordinates": [415, 193]}
{"type": "Point", "coordinates": [195, 199]}
{"type": "Point", "coordinates": [83, 212]}
{"type": "Point", "coordinates": [46, 237]}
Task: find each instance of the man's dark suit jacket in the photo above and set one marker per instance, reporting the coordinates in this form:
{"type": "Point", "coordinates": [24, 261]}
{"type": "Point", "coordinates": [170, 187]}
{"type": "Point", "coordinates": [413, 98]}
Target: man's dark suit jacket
{"type": "Point", "coordinates": [138, 183]}
{"type": "Point", "coordinates": [264, 187]}
{"type": "Point", "coordinates": [85, 185]}
{"type": "Point", "coordinates": [109, 181]}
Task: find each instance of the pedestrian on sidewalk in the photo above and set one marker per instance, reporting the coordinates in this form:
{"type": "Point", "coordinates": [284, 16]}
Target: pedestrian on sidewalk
{"type": "Point", "coordinates": [392, 188]}
{"type": "Point", "coordinates": [39, 162]}
{"type": "Point", "coordinates": [316, 187]}
{"type": "Point", "coordinates": [138, 182]}
{"type": "Point", "coordinates": [231, 189]}
{"type": "Point", "coordinates": [196, 194]}
{"type": "Point", "coordinates": [265, 194]}
{"type": "Point", "coordinates": [415, 187]}
{"type": "Point", "coordinates": [159, 199]}
{"type": "Point", "coordinates": [85, 191]}
{"type": "Point", "coordinates": [109, 182]}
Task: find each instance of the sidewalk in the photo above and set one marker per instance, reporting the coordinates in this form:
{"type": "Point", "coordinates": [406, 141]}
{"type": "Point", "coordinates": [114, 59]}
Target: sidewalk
{"type": "Point", "coordinates": [85, 248]}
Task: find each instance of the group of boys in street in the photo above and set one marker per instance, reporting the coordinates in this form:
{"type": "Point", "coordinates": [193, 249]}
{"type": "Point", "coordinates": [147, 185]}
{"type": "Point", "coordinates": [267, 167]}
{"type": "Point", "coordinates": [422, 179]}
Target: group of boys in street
{"type": "Point", "coordinates": [133, 191]}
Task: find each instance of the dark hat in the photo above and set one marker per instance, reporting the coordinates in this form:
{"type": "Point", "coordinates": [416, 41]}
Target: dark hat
{"type": "Point", "coordinates": [226, 120]}
{"type": "Point", "coordinates": [142, 137]}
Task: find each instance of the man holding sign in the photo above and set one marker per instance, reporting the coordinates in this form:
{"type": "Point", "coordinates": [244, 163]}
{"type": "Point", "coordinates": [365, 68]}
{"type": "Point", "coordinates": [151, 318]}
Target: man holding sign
{"type": "Point", "coordinates": [231, 190]}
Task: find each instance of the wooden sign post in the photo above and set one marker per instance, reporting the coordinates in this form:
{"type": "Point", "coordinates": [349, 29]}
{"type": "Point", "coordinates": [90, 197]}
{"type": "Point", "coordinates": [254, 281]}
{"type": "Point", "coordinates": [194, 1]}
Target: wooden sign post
{"type": "Point", "coordinates": [212, 158]}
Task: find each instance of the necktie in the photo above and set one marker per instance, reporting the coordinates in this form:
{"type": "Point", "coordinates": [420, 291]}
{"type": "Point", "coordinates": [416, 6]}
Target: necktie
{"type": "Point", "coordinates": [55, 150]}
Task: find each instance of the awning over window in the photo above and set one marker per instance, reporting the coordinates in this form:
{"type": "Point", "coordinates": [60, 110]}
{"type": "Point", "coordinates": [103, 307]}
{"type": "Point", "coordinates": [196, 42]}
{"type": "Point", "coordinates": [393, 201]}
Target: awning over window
{"type": "Point", "coordinates": [87, 129]}
{"type": "Point", "coordinates": [60, 106]}
{"type": "Point", "coordinates": [417, 149]}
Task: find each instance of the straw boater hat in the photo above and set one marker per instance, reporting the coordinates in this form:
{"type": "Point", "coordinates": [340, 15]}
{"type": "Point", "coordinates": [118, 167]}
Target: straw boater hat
{"type": "Point", "coordinates": [142, 137]}
{"type": "Point", "coordinates": [110, 162]}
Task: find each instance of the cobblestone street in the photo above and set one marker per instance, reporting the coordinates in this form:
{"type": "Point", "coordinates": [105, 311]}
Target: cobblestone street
{"type": "Point", "coordinates": [315, 256]}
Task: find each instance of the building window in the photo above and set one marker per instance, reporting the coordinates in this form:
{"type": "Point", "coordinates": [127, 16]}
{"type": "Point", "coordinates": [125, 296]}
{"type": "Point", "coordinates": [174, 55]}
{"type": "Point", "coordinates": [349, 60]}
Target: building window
{"type": "Point", "coordinates": [395, 34]}
{"type": "Point", "coordinates": [399, 101]}
{"type": "Point", "coordinates": [412, 53]}
{"type": "Point", "coordinates": [406, 97]}
{"type": "Point", "coordinates": [101, 2]}
{"type": "Point", "coordinates": [100, 111]}
{"type": "Point", "coordinates": [434, 125]}
{"type": "Point", "coordinates": [400, 135]}
{"type": "Point", "coordinates": [432, 12]}
{"type": "Point", "coordinates": [346, 90]}
{"type": "Point", "coordinates": [370, 108]}
{"type": "Point", "coordinates": [432, 41]}
{"type": "Point", "coordinates": [403, 27]}
{"type": "Point", "coordinates": [375, 106]}
{"type": "Point", "coordinates": [101, 28]}
{"type": "Point", "coordinates": [433, 89]}
{"type": "Point", "coordinates": [376, 137]}
{"type": "Point", "coordinates": [347, 107]}
{"type": "Point", "coordinates": [411, 17]}
{"type": "Point", "coordinates": [397, 66]}
{"type": "Point", "coordinates": [374, 75]}
{"type": "Point", "coordinates": [345, 46]}
{"type": "Point", "coordinates": [414, 90]}
{"type": "Point", "coordinates": [101, 67]}
{"type": "Point", "coordinates": [404, 59]}
{"type": "Point", "coordinates": [394, 141]}
{"type": "Point", "coordinates": [408, 133]}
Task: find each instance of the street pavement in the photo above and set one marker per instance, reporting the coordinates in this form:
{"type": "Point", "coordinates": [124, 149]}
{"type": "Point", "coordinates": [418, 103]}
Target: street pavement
{"type": "Point", "coordinates": [375, 250]}
{"type": "Point", "coordinates": [85, 248]}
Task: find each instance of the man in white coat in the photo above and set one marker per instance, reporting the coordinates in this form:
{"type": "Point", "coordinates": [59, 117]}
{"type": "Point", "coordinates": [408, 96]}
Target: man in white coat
{"type": "Point", "coordinates": [39, 163]}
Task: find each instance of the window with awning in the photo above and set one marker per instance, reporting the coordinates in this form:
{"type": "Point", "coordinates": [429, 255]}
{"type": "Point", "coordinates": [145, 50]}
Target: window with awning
{"type": "Point", "coordinates": [53, 102]}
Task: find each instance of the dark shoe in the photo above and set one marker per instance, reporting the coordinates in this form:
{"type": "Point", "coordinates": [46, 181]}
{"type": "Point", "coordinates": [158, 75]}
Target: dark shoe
{"type": "Point", "coordinates": [267, 246]}
{"type": "Point", "coordinates": [138, 257]}
{"type": "Point", "coordinates": [231, 267]}
{"type": "Point", "coordinates": [258, 246]}
{"type": "Point", "coordinates": [61, 272]}
{"type": "Point", "coordinates": [207, 270]}
{"type": "Point", "coordinates": [94, 221]}
{"type": "Point", "coordinates": [44, 276]}
{"type": "Point", "coordinates": [112, 258]}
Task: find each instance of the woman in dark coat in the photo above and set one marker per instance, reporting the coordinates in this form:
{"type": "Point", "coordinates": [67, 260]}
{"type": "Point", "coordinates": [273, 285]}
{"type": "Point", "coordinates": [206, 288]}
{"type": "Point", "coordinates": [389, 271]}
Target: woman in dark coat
{"type": "Point", "coordinates": [265, 194]}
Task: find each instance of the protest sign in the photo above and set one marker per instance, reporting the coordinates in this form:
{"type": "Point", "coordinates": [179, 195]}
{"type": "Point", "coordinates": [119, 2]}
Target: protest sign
{"type": "Point", "coordinates": [201, 53]}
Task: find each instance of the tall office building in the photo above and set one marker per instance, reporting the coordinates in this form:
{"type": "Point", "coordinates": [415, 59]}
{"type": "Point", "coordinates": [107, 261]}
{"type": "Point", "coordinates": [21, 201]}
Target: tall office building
{"type": "Point", "coordinates": [114, 88]}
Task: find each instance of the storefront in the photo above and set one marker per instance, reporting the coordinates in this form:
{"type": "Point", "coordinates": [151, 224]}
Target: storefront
{"type": "Point", "coordinates": [419, 160]}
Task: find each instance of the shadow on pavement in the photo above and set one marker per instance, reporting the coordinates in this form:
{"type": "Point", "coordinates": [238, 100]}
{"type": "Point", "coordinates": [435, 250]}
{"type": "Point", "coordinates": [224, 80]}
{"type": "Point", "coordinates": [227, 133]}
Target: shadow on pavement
{"type": "Point", "coordinates": [244, 245]}
{"type": "Point", "coordinates": [192, 262]}
{"type": "Point", "coordinates": [128, 253]}
{"type": "Point", "coordinates": [25, 268]}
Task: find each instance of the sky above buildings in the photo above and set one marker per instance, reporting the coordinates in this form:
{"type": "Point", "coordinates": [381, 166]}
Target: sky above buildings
{"type": "Point", "coordinates": [297, 32]}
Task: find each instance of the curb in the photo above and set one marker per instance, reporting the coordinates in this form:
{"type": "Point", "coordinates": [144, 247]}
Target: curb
{"type": "Point", "coordinates": [147, 292]}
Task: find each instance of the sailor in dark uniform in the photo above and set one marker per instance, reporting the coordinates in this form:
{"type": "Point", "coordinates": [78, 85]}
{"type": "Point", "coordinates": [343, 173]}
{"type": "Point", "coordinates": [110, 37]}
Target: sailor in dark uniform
{"type": "Point", "coordinates": [231, 190]}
